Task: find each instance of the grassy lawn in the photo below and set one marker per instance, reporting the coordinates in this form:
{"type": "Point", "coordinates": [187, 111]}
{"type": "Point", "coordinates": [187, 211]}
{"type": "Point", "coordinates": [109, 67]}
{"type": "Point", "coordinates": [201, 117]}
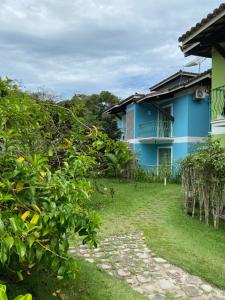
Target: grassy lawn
{"type": "Point", "coordinates": [91, 284]}
{"type": "Point", "coordinates": [157, 211]}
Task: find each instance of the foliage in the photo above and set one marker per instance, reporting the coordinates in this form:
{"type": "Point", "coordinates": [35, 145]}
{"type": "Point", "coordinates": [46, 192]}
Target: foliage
{"type": "Point", "coordinates": [42, 204]}
{"type": "Point", "coordinates": [114, 158]}
{"type": "Point", "coordinates": [203, 179]}
{"type": "Point", "coordinates": [155, 174]}
{"type": "Point", "coordinates": [91, 109]}
{"type": "Point", "coordinates": [40, 208]}
{"type": "Point", "coordinates": [70, 120]}
{"type": "Point", "coordinates": [19, 111]}
{"type": "Point", "coordinates": [3, 295]}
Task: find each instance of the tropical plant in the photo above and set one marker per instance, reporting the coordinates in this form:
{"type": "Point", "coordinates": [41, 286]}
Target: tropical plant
{"type": "Point", "coordinates": [3, 294]}
{"type": "Point", "coordinates": [41, 209]}
{"type": "Point", "coordinates": [42, 205]}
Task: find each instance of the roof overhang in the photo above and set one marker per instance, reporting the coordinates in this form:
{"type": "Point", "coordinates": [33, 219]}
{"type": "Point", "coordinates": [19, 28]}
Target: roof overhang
{"type": "Point", "coordinates": [200, 40]}
{"type": "Point", "coordinates": [172, 78]}
{"type": "Point", "coordinates": [206, 76]}
{"type": "Point", "coordinates": [121, 106]}
{"type": "Point", "coordinates": [158, 96]}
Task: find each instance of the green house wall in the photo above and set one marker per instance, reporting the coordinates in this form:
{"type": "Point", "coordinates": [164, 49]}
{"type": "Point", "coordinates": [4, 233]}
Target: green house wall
{"type": "Point", "coordinates": [218, 79]}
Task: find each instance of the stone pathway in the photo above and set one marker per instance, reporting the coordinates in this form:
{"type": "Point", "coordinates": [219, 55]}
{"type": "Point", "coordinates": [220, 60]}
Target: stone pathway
{"type": "Point", "coordinates": [128, 258]}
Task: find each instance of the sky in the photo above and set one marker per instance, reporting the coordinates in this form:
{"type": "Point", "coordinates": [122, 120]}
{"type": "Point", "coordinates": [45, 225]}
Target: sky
{"type": "Point", "coordinates": [86, 46]}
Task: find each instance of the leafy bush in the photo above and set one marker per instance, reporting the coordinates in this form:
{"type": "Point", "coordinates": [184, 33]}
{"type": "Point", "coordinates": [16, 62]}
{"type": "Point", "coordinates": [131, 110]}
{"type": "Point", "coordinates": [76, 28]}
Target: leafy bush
{"type": "Point", "coordinates": [203, 180]}
{"type": "Point", "coordinates": [113, 158]}
{"type": "Point", "coordinates": [42, 204]}
{"type": "Point", "coordinates": [3, 295]}
{"type": "Point", "coordinates": [40, 208]}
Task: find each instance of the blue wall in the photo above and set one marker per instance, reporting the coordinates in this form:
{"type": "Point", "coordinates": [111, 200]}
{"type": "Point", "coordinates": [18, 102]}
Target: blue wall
{"type": "Point", "coordinates": [191, 119]}
{"type": "Point", "coordinates": [146, 154]}
{"type": "Point", "coordinates": [198, 117]}
{"type": "Point", "coordinates": [144, 113]}
{"type": "Point", "coordinates": [180, 113]}
{"type": "Point", "coordinates": [120, 122]}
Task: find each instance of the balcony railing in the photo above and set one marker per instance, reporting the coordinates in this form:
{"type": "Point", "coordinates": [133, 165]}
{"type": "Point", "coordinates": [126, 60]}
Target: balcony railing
{"type": "Point", "coordinates": [218, 103]}
{"type": "Point", "coordinates": [155, 129]}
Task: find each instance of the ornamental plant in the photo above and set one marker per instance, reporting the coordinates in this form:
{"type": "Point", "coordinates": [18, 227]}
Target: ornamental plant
{"type": "Point", "coordinates": [41, 209]}
{"type": "Point", "coordinates": [47, 156]}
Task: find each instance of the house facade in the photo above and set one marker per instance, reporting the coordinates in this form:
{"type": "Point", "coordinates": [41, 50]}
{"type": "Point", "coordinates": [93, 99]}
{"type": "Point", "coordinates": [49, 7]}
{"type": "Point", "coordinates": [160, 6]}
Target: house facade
{"type": "Point", "coordinates": [207, 39]}
{"type": "Point", "coordinates": [169, 122]}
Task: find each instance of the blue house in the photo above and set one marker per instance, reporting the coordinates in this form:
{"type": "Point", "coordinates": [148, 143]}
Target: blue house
{"type": "Point", "coordinates": [166, 124]}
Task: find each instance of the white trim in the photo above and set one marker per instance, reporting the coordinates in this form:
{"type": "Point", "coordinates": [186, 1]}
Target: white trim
{"type": "Point", "coordinates": [133, 141]}
{"type": "Point", "coordinates": [218, 127]}
{"type": "Point", "coordinates": [156, 140]}
{"type": "Point", "coordinates": [177, 140]}
{"type": "Point", "coordinates": [189, 139]}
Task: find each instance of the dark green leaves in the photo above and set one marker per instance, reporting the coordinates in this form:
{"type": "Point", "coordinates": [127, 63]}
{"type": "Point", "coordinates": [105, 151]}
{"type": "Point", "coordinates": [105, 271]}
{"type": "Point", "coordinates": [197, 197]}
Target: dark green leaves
{"type": "Point", "coordinates": [20, 248]}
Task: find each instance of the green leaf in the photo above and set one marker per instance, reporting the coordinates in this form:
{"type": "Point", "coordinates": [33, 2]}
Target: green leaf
{"type": "Point", "coordinates": [20, 275]}
{"type": "Point", "coordinates": [9, 241]}
{"type": "Point", "coordinates": [25, 297]}
{"type": "Point", "coordinates": [3, 254]}
{"type": "Point", "coordinates": [39, 253]}
{"type": "Point", "coordinates": [14, 223]}
{"type": "Point", "coordinates": [65, 245]}
{"type": "Point", "coordinates": [21, 248]}
{"type": "Point", "coordinates": [2, 226]}
{"type": "Point", "coordinates": [55, 262]}
{"type": "Point", "coordinates": [31, 240]}
{"type": "Point", "coordinates": [62, 270]}
{"type": "Point", "coordinates": [3, 292]}
{"type": "Point", "coordinates": [3, 288]}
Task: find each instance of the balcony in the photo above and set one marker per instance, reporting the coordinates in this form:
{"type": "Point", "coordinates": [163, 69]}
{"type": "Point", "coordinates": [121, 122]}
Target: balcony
{"type": "Point", "coordinates": [218, 108]}
{"type": "Point", "coordinates": [154, 132]}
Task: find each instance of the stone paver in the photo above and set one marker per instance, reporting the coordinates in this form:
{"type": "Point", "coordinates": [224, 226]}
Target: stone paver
{"type": "Point", "coordinates": [128, 258]}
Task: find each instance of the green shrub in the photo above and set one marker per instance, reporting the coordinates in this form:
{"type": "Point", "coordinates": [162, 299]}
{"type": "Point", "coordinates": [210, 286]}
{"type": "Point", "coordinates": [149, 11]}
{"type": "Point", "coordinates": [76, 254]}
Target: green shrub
{"type": "Point", "coordinates": [203, 181]}
{"type": "Point", "coordinates": [42, 206]}
{"type": "Point", "coordinates": [3, 295]}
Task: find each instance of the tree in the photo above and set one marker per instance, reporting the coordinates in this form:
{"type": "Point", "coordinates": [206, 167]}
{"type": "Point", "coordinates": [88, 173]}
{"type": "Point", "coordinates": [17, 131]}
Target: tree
{"type": "Point", "coordinates": [91, 108]}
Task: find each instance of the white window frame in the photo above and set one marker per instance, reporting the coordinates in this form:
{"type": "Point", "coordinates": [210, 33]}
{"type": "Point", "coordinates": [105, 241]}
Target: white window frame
{"type": "Point", "coordinates": [171, 157]}
{"type": "Point", "coordinates": [165, 106]}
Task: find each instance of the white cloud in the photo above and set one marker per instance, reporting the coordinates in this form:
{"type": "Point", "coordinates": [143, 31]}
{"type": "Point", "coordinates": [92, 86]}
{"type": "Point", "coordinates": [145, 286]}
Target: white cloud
{"type": "Point", "coordinates": [88, 46]}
